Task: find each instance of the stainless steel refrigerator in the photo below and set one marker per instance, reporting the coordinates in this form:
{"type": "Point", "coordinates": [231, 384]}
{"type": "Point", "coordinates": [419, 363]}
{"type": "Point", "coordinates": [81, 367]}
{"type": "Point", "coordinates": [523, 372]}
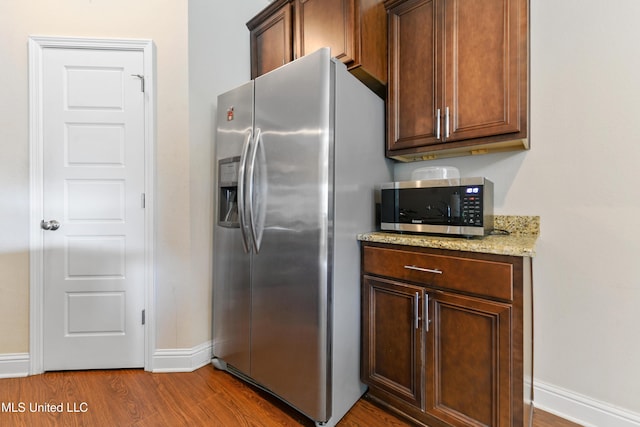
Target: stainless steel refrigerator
{"type": "Point", "coordinates": [299, 151]}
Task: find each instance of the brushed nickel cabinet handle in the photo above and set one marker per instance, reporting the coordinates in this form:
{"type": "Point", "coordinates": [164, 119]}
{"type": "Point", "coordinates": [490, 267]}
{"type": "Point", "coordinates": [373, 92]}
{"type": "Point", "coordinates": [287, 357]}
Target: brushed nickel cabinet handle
{"type": "Point", "coordinates": [416, 301]}
{"type": "Point", "coordinates": [424, 270]}
{"type": "Point", "coordinates": [426, 312]}
{"type": "Point", "coordinates": [446, 123]}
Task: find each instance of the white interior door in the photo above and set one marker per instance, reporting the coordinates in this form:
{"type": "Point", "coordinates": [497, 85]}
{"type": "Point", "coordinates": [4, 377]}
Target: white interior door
{"type": "Point", "coordinates": [93, 187]}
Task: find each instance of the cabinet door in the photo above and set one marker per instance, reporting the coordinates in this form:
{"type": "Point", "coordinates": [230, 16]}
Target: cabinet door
{"type": "Point", "coordinates": [469, 361]}
{"type": "Point", "coordinates": [392, 335]}
{"type": "Point", "coordinates": [482, 67]}
{"type": "Point", "coordinates": [322, 23]}
{"type": "Point", "coordinates": [414, 95]}
{"type": "Point", "coordinates": [271, 42]}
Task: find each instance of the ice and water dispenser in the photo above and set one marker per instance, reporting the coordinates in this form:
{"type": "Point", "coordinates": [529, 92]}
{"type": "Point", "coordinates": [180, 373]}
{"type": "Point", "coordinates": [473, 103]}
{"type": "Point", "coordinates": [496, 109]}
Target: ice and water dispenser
{"type": "Point", "coordinates": [228, 191]}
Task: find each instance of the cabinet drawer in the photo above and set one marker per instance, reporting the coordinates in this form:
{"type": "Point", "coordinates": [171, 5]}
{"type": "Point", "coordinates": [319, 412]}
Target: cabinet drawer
{"type": "Point", "coordinates": [487, 278]}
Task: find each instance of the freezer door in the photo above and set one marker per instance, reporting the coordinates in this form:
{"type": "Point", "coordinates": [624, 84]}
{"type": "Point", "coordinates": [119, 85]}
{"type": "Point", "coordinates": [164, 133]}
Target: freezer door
{"type": "Point", "coordinates": [292, 181]}
{"type": "Point", "coordinates": [231, 266]}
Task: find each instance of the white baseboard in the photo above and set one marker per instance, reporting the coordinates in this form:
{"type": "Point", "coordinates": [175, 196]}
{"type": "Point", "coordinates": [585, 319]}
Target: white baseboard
{"type": "Point", "coordinates": [182, 359]}
{"type": "Point", "coordinates": [14, 365]}
{"type": "Point", "coordinates": [581, 409]}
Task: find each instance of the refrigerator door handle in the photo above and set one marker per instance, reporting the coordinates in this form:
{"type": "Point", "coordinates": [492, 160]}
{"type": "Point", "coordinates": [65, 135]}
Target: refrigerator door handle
{"type": "Point", "coordinates": [256, 234]}
{"type": "Point", "coordinates": [244, 226]}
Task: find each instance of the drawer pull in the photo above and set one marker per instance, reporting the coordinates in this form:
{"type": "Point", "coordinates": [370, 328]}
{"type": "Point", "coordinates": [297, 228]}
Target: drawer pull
{"type": "Point", "coordinates": [424, 270]}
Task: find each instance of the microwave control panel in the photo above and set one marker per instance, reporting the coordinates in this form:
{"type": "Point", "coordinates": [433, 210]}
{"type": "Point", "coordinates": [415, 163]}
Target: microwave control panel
{"type": "Point", "coordinates": [472, 206]}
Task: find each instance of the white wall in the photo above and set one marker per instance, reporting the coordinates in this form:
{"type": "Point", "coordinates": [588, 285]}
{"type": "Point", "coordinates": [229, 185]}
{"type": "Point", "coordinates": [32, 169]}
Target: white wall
{"type": "Point", "coordinates": [581, 176]}
{"type": "Point", "coordinates": [219, 60]}
{"type": "Point", "coordinates": [183, 140]}
{"type": "Point", "coordinates": [166, 25]}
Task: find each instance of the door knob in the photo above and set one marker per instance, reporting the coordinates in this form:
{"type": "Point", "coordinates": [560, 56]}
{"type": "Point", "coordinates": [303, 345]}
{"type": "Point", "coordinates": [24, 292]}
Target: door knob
{"type": "Point", "coordinates": [49, 225]}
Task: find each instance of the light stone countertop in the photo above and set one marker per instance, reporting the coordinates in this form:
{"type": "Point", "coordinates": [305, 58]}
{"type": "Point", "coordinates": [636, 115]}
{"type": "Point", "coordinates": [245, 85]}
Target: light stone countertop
{"type": "Point", "coordinates": [524, 231]}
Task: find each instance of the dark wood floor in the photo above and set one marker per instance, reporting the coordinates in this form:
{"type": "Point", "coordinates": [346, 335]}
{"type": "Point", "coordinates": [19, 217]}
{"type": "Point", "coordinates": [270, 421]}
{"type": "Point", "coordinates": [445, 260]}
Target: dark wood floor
{"type": "Point", "coordinates": [137, 398]}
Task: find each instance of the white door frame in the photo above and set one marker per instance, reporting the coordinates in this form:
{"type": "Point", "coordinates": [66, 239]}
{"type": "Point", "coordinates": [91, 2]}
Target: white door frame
{"type": "Point", "coordinates": [37, 44]}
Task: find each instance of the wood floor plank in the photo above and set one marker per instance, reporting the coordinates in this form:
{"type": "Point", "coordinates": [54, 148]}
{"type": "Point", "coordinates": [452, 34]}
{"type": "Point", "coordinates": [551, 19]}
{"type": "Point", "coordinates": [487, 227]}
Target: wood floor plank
{"type": "Point", "coordinates": [545, 419]}
{"type": "Point", "coordinates": [135, 398]}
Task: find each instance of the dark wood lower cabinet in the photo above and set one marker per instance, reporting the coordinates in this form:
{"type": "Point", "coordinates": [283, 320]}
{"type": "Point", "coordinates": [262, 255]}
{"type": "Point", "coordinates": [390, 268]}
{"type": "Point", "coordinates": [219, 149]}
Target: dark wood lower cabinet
{"type": "Point", "coordinates": [442, 353]}
{"type": "Point", "coordinates": [394, 339]}
{"type": "Point", "coordinates": [469, 363]}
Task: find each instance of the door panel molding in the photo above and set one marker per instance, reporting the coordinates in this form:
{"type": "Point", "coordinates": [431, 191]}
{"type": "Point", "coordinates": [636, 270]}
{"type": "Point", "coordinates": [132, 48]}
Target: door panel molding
{"type": "Point", "coordinates": [37, 46]}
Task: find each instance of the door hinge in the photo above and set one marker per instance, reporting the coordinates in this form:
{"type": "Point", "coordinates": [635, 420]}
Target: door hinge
{"type": "Point", "coordinates": [143, 316]}
{"type": "Point", "coordinates": [141, 77]}
{"type": "Point", "coordinates": [143, 200]}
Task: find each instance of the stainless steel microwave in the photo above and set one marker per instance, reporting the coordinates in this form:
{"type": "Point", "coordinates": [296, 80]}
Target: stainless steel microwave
{"type": "Point", "coordinates": [461, 206]}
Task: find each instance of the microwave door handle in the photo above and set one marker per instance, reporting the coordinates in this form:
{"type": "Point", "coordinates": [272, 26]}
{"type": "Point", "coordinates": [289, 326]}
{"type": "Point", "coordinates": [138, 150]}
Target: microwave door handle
{"type": "Point", "coordinates": [256, 235]}
{"type": "Point", "coordinates": [241, 192]}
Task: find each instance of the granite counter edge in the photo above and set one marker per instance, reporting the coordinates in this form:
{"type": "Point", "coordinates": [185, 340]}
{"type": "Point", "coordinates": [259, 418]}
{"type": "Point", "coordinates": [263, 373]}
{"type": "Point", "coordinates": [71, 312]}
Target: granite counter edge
{"type": "Point", "coordinates": [522, 246]}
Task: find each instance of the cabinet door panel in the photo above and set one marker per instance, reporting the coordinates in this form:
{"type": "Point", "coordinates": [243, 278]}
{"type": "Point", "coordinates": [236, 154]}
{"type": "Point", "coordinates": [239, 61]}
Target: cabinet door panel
{"type": "Point", "coordinates": [392, 338]}
{"type": "Point", "coordinates": [322, 23]}
{"type": "Point", "coordinates": [469, 361]}
{"type": "Point", "coordinates": [271, 42]}
{"type": "Point", "coordinates": [414, 93]}
{"type": "Point", "coordinates": [482, 67]}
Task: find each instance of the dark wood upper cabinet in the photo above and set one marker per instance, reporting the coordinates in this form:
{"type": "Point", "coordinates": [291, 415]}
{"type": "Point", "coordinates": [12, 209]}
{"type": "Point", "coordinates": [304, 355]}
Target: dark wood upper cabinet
{"type": "Point", "coordinates": [270, 38]}
{"type": "Point", "coordinates": [323, 23]}
{"type": "Point", "coordinates": [354, 30]}
{"type": "Point", "coordinates": [458, 77]}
